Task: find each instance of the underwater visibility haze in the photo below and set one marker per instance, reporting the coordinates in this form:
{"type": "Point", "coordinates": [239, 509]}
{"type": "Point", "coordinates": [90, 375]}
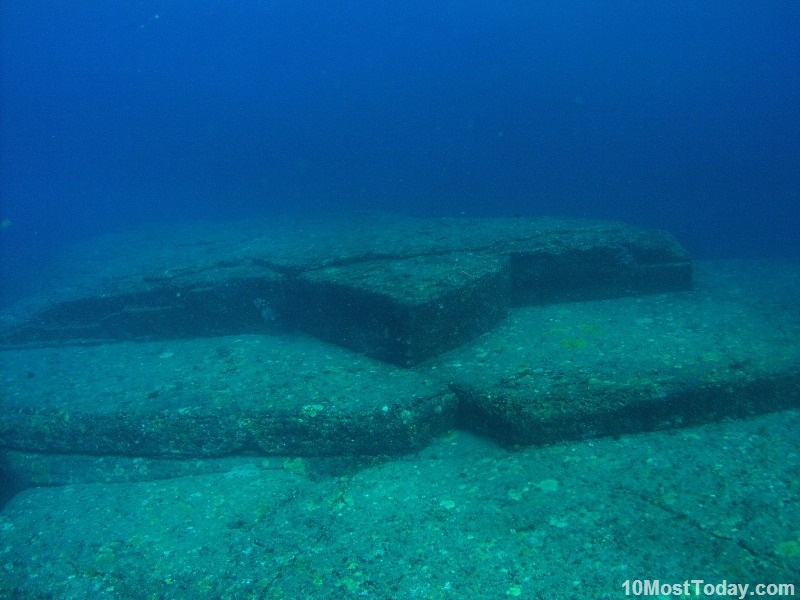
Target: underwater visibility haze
{"type": "Point", "coordinates": [443, 299]}
{"type": "Point", "coordinates": [677, 115]}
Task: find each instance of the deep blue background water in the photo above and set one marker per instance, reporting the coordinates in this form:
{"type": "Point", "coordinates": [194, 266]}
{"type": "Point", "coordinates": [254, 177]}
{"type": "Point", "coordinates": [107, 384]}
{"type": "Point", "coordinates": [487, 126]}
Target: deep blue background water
{"type": "Point", "coordinates": [678, 115]}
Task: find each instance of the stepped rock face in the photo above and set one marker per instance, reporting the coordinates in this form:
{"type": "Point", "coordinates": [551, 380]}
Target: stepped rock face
{"type": "Point", "coordinates": [400, 290]}
{"type": "Point", "coordinates": [214, 397]}
{"type": "Point", "coordinates": [589, 369]}
{"type": "Point", "coordinates": [245, 390]}
{"type": "Point", "coordinates": [372, 336]}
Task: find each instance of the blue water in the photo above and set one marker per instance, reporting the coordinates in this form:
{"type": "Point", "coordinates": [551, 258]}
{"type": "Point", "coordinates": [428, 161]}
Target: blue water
{"type": "Point", "coordinates": [678, 115]}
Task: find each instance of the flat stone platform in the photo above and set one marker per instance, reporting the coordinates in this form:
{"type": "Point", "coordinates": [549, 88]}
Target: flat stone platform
{"type": "Point", "coordinates": [545, 372]}
{"type": "Point", "coordinates": [212, 397]}
{"type": "Point", "coordinates": [462, 518]}
{"type": "Point", "coordinates": [729, 348]}
{"type": "Point", "coordinates": [221, 411]}
{"type": "Point", "coordinates": [400, 290]}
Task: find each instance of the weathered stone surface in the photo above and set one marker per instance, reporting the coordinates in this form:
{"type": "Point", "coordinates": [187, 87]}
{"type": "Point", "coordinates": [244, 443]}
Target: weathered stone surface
{"type": "Point", "coordinates": [546, 374]}
{"type": "Point", "coordinates": [403, 311]}
{"type": "Point", "coordinates": [216, 397]}
{"type": "Point", "coordinates": [402, 290]}
{"type": "Point", "coordinates": [595, 262]}
{"type": "Point", "coordinates": [720, 501]}
{"type": "Point", "coordinates": [33, 469]}
{"type": "Point", "coordinates": [581, 370]}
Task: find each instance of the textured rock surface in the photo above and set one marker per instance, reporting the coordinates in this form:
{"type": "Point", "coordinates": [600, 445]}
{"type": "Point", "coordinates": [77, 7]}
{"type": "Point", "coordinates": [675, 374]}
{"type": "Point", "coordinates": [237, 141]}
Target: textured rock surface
{"type": "Point", "coordinates": [525, 366]}
{"type": "Point", "coordinates": [401, 290]}
{"type": "Point", "coordinates": [545, 374]}
{"type": "Point", "coordinates": [216, 397]}
{"type": "Point", "coordinates": [460, 519]}
{"type": "Point", "coordinates": [549, 373]}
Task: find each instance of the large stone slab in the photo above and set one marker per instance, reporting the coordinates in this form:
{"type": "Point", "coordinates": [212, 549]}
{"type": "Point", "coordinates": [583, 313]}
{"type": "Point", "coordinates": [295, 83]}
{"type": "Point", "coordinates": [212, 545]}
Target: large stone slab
{"type": "Point", "coordinates": [730, 348]}
{"type": "Point", "coordinates": [460, 519]}
{"type": "Point", "coordinates": [403, 311]}
{"type": "Point", "coordinates": [402, 290]}
{"type": "Point", "coordinates": [215, 397]}
{"type": "Point", "coordinates": [549, 373]}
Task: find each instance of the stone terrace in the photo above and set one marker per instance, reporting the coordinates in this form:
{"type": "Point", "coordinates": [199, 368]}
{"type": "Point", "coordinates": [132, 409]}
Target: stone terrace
{"type": "Point", "coordinates": [371, 336]}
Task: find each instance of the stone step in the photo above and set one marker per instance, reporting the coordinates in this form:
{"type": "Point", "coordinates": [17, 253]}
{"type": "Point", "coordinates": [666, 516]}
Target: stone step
{"type": "Point", "coordinates": [401, 290]}
{"type": "Point", "coordinates": [730, 348]}
{"type": "Point", "coordinates": [546, 374]}
{"type": "Point", "coordinates": [721, 502]}
{"type": "Point", "coordinates": [212, 397]}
